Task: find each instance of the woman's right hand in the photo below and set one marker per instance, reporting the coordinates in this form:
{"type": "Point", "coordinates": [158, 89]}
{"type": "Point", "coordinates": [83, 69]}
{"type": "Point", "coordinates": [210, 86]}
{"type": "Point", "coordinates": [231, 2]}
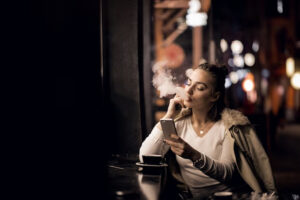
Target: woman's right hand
{"type": "Point", "coordinates": [171, 112]}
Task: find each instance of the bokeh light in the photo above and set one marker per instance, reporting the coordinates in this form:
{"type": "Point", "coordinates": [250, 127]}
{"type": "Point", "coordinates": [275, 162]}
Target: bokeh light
{"type": "Point", "coordinates": [234, 77]}
{"type": "Point", "coordinates": [295, 80]}
{"type": "Point", "coordinates": [237, 47]}
{"type": "Point", "coordinates": [249, 59]}
{"type": "Point", "coordinates": [223, 45]}
{"type": "Point", "coordinates": [290, 66]}
{"type": "Point", "coordinates": [248, 85]}
{"type": "Point", "coordinates": [255, 46]}
{"type": "Point", "coordinates": [238, 61]}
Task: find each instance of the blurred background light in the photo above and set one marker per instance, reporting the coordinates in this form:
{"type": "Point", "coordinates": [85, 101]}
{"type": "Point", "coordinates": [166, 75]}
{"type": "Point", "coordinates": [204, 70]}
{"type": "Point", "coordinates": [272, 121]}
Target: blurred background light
{"type": "Point", "coordinates": [255, 46]}
{"type": "Point", "coordinates": [227, 83]}
{"type": "Point", "coordinates": [265, 73]}
{"type": "Point", "coordinates": [249, 59]}
{"type": "Point", "coordinates": [230, 62]}
{"type": "Point", "coordinates": [194, 6]}
{"type": "Point", "coordinates": [295, 80]}
{"type": "Point", "coordinates": [238, 61]}
{"type": "Point", "coordinates": [242, 73]}
{"type": "Point", "coordinates": [234, 77]}
{"type": "Point", "coordinates": [236, 47]}
{"type": "Point", "coordinates": [290, 66]}
{"type": "Point", "coordinates": [252, 96]}
{"type": "Point", "coordinates": [279, 6]}
{"type": "Point", "coordinates": [264, 86]}
{"type": "Point", "coordinates": [248, 85]}
{"type": "Point", "coordinates": [223, 45]}
{"type": "Point", "coordinates": [194, 17]}
{"type": "Point", "coordinates": [280, 90]}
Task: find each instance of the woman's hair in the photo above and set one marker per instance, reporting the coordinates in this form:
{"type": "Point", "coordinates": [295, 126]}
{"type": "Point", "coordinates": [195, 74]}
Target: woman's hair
{"type": "Point", "coordinates": [219, 74]}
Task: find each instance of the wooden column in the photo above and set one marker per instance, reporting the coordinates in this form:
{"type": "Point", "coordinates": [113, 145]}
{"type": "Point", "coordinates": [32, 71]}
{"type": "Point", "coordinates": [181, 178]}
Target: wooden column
{"type": "Point", "coordinates": [158, 35]}
{"type": "Point", "coordinates": [197, 45]}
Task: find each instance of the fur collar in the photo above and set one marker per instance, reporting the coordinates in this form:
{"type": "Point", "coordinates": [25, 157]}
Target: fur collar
{"type": "Point", "coordinates": [229, 117]}
{"type": "Point", "coordinates": [232, 117]}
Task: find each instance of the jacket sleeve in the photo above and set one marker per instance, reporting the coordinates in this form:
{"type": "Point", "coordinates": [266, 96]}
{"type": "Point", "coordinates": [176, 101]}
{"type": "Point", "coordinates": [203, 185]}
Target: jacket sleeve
{"type": "Point", "coordinates": [255, 152]}
{"type": "Point", "coordinates": [221, 169]}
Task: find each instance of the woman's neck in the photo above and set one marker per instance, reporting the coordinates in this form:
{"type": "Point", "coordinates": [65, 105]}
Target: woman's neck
{"type": "Point", "coordinates": [200, 117]}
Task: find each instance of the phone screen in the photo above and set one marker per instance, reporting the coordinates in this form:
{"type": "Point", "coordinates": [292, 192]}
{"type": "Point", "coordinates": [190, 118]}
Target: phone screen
{"type": "Point", "coordinates": [168, 127]}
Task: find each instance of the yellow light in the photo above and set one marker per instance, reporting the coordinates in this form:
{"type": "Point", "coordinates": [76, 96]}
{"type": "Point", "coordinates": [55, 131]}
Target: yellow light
{"type": "Point", "coordinates": [295, 81]}
{"type": "Point", "coordinates": [248, 85]}
{"type": "Point", "coordinates": [290, 66]}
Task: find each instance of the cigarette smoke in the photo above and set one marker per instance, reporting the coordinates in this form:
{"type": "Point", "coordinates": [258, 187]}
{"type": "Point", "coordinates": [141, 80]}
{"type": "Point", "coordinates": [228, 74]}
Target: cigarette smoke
{"type": "Point", "coordinates": [163, 81]}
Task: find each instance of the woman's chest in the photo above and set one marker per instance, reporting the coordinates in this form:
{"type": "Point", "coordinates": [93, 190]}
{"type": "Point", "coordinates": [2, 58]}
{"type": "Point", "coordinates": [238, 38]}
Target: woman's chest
{"type": "Point", "coordinates": [210, 144]}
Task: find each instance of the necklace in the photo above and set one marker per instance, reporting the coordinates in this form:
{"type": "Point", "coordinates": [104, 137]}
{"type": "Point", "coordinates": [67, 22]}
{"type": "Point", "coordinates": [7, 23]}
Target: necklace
{"type": "Point", "coordinates": [201, 132]}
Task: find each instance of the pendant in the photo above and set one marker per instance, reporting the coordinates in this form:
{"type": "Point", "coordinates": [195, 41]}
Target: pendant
{"type": "Point", "coordinates": [201, 132]}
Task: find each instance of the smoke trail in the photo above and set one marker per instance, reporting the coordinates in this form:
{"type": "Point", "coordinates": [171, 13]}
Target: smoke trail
{"type": "Point", "coordinates": [163, 81]}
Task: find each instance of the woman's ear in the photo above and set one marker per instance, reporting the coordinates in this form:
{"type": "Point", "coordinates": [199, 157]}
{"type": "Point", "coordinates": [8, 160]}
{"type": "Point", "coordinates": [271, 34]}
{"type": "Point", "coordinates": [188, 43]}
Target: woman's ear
{"type": "Point", "coordinates": [215, 96]}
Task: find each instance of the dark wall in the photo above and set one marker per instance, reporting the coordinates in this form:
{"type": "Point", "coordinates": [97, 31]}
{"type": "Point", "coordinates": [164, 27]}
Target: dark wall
{"type": "Point", "coordinates": [123, 66]}
{"type": "Point", "coordinates": [70, 47]}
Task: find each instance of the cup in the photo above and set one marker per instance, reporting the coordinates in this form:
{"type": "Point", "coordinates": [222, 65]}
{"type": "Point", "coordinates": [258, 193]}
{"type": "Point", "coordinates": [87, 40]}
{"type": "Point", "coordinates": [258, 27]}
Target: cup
{"type": "Point", "coordinates": [152, 159]}
{"type": "Point", "coordinates": [223, 195]}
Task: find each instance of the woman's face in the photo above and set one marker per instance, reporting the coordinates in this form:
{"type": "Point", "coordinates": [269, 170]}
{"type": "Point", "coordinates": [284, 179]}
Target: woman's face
{"type": "Point", "coordinates": [199, 89]}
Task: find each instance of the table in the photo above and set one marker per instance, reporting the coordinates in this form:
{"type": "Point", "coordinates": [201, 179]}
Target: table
{"type": "Point", "coordinates": [128, 181]}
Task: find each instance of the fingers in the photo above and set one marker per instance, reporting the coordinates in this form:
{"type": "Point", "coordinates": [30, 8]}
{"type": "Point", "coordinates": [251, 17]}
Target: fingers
{"type": "Point", "coordinates": [178, 100]}
{"type": "Point", "coordinates": [175, 136]}
{"type": "Point", "coordinates": [175, 141]}
{"type": "Point", "coordinates": [177, 151]}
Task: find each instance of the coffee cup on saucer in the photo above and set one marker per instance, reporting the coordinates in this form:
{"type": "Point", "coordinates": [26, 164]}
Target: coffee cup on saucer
{"type": "Point", "coordinates": [152, 159]}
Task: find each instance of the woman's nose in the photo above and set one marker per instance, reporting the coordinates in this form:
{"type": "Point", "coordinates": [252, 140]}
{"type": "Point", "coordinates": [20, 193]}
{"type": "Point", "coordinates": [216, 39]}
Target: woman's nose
{"type": "Point", "coordinates": [189, 89]}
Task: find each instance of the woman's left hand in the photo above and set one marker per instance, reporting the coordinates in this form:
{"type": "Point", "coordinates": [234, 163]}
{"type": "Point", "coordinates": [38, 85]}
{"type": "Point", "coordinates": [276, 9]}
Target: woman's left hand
{"type": "Point", "coordinates": [181, 148]}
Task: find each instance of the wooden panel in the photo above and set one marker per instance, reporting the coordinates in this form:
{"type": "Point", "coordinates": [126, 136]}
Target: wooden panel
{"type": "Point", "coordinates": [172, 4]}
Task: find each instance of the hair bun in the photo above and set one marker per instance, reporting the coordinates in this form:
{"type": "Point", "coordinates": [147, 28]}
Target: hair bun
{"type": "Point", "coordinates": [223, 70]}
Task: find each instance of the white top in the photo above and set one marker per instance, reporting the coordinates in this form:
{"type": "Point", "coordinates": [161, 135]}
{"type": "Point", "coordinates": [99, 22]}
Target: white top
{"type": "Point", "coordinates": [218, 163]}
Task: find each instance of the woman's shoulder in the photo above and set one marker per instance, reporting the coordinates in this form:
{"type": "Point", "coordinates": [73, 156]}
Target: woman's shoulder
{"type": "Point", "coordinates": [184, 112]}
{"type": "Point", "coordinates": [182, 121]}
{"type": "Point", "coordinates": [231, 117]}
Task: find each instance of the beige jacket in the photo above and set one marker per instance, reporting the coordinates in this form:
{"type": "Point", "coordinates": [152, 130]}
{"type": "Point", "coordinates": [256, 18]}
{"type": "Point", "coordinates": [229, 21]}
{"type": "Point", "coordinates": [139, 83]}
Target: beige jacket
{"type": "Point", "coordinates": [250, 157]}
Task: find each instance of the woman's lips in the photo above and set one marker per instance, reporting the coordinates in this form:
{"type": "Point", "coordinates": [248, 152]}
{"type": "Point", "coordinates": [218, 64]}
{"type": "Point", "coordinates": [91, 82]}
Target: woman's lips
{"type": "Point", "coordinates": [189, 99]}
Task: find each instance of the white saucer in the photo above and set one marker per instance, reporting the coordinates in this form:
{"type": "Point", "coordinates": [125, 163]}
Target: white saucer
{"type": "Point", "coordinates": [151, 165]}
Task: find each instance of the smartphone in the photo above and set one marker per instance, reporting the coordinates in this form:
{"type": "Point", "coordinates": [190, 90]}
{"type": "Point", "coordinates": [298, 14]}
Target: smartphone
{"type": "Point", "coordinates": [168, 127]}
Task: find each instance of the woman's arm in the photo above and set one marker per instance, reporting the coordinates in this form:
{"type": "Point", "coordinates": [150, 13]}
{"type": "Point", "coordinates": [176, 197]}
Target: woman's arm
{"type": "Point", "coordinates": [221, 169]}
{"type": "Point", "coordinates": [154, 144]}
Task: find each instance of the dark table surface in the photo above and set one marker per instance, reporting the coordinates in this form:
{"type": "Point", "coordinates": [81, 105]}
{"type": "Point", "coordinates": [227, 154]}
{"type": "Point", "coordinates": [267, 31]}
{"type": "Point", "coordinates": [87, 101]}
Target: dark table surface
{"type": "Point", "coordinates": [129, 181]}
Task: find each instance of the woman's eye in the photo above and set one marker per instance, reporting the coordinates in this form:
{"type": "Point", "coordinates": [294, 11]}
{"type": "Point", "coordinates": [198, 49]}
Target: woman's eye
{"type": "Point", "coordinates": [201, 88]}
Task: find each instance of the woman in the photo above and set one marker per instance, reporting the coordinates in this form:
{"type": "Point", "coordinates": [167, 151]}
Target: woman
{"type": "Point", "coordinates": [216, 148]}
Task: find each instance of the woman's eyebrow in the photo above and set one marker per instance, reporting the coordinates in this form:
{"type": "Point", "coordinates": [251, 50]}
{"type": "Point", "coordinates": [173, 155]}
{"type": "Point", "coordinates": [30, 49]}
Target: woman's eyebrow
{"type": "Point", "coordinates": [199, 82]}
